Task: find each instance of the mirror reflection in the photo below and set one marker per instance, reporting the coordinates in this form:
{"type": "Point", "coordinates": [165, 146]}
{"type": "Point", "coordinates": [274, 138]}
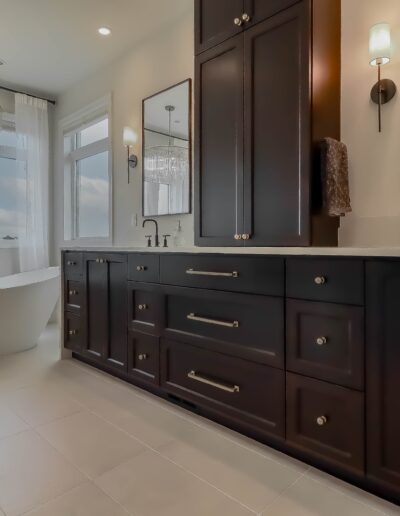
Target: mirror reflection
{"type": "Point", "coordinates": [167, 151]}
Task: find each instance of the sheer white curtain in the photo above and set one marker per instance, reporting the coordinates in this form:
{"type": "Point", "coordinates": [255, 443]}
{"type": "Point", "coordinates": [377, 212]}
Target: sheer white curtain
{"type": "Point", "coordinates": [32, 129]}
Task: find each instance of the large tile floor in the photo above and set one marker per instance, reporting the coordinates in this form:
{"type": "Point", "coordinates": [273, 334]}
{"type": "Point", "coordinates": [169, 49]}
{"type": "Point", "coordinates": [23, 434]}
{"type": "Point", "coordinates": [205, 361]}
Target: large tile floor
{"type": "Point", "coordinates": [76, 442]}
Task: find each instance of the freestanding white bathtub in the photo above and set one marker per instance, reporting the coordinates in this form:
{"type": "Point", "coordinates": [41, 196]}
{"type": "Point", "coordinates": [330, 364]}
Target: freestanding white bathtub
{"type": "Point", "coordinates": [27, 301]}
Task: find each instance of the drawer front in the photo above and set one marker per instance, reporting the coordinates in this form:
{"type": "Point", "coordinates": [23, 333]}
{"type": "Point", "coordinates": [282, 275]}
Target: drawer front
{"type": "Point", "coordinates": [256, 275]}
{"type": "Point", "coordinates": [336, 281]}
{"type": "Point", "coordinates": [249, 393]}
{"type": "Point", "coordinates": [250, 327]}
{"type": "Point", "coordinates": [326, 341]}
{"type": "Point", "coordinates": [144, 267]}
{"type": "Point", "coordinates": [145, 308]}
{"type": "Point", "coordinates": [73, 296]}
{"type": "Point", "coordinates": [73, 332]}
{"type": "Point", "coordinates": [326, 420]}
{"type": "Point", "coordinates": [144, 358]}
{"type": "Point", "coordinates": [73, 264]}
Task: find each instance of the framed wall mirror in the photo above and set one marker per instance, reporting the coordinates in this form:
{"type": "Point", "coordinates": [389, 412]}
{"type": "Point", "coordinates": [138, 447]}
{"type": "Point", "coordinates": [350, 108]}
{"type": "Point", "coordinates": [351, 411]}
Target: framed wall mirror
{"type": "Point", "coordinates": [167, 151]}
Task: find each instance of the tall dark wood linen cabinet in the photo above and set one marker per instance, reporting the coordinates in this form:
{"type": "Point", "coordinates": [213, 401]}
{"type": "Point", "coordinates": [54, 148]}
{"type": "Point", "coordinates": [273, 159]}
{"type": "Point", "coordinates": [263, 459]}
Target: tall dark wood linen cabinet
{"type": "Point", "coordinates": [267, 91]}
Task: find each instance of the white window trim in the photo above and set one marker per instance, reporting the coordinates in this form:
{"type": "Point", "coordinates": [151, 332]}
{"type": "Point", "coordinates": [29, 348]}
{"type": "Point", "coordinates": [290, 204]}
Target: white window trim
{"type": "Point", "coordinates": [8, 122]}
{"type": "Point", "coordinates": [96, 110]}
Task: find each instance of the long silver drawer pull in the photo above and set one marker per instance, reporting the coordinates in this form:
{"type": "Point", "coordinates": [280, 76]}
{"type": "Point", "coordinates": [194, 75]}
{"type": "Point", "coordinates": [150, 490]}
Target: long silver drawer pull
{"type": "Point", "coordinates": [233, 274]}
{"type": "Point", "coordinates": [216, 322]}
{"type": "Point", "coordinates": [222, 387]}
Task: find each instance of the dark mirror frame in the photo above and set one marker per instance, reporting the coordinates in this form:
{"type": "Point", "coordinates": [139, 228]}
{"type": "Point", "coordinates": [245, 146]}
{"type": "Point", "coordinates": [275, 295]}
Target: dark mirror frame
{"type": "Point", "coordinates": [190, 121]}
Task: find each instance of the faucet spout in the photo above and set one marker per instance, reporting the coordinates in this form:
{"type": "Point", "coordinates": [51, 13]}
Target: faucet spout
{"type": "Point", "coordinates": [156, 238]}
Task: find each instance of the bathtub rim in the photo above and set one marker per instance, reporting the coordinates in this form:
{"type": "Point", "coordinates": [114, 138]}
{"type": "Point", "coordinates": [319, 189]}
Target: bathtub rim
{"type": "Point", "coordinates": [52, 273]}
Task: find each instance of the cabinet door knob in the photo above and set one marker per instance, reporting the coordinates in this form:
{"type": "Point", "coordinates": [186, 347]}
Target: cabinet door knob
{"type": "Point", "coordinates": [71, 264]}
{"type": "Point", "coordinates": [142, 307]}
{"type": "Point", "coordinates": [321, 341]}
{"type": "Point", "coordinates": [238, 22]}
{"type": "Point", "coordinates": [73, 332]}
{"type": "Point", "coordinates": [320, 280]}
{"type": "Point", "coordinates": [73, 292]}
{"type": "Point", "coordinates": [143, 356]}
{"type": "Point", "coordinates": [245, 236]}
{"type": "Point", "coordinates": [140, 268]}
{"type": "Point", "coordinates": [238, 237]}
{"type": "Point", "coordinates": [246, 17]}
{"type": "Point", "coordinates": [322, 421]}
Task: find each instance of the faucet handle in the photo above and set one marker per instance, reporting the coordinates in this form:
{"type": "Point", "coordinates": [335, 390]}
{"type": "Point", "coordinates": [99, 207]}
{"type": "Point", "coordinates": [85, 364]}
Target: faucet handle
{"type": "Point", "coordinates": [148, 240]}
{"type": "Point", "coordinates": [165, 240]}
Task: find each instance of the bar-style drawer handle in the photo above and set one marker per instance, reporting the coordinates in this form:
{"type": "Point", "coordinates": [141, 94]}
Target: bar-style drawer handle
{"type": "Point", "coordinates": [215, 322]}
{"type": "Point", "coordinates": [222, 387]}
{"type": "Point", "coordinates": [73, 332]}
{"type": "Point", "coordinates": [233, 274]}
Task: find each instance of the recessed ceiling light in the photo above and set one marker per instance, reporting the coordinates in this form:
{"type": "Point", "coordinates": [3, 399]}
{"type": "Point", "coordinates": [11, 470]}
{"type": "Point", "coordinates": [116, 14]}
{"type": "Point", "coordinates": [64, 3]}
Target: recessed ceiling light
{"type": "Point", "coordinates": [104, 31]}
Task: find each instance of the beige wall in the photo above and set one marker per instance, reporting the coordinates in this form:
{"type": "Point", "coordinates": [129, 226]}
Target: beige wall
{"type": "Point", "coordinates": [163, 60]}
{"type": "Point", "coordinates": [374, 157]}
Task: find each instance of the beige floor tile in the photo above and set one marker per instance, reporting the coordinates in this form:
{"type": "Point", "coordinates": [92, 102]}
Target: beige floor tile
{"type": "Point", "coordinates": [149, 485]}
{"type": "Point", "coordinates": [247, 476]}
{"type": "Point", "coordinates": [32, 473]}
{"type": "Point", "coordinates": [39, 404]}
{"type": "Point", "coordinates": [85, 500]}
{"type": "Point", "coordinates": [310, 498]}
{"type": "Point", "coordinates": [358, 494]}
{"type": "Point", "coordinates": [10, 423]}
{"type": "Point", "coordinates": [90, 443]}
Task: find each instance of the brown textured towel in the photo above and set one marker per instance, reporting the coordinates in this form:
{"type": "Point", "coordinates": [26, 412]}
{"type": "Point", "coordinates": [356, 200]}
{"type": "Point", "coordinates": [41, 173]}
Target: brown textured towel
{"type": "Point", "coordinates": [335, 178]}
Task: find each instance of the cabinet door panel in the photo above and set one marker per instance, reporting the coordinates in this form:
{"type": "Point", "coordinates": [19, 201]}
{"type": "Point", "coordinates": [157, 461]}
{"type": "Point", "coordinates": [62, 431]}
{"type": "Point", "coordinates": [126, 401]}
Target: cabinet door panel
{"type": "Point", "coordinates": [383, 367]}
{"type": "Point", "coordinates": [96, 307]}
{"type": "Point", "coordinates": [277, 130]}
{"type": "Point", "coordinates": [259, 10]}
{"type": "Point", "coordinates": [219, 144]}
{"type": "Point", "coordinates": [116, 349]}
{"type": "Point", "coordinates": [215, 22]}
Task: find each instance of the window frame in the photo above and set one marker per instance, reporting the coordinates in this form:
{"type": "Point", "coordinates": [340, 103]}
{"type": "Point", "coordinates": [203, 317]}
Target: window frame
{"type": "Point", "coordinates": [68, 126]}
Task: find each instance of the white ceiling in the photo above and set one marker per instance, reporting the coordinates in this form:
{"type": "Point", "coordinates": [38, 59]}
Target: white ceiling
{"type": "Point", "coordinates": [48, 45]}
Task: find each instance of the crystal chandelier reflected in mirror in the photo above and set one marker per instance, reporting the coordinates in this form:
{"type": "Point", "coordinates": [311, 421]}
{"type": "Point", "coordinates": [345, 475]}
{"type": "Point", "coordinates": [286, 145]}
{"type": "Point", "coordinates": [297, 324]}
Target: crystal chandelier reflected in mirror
{"type": "Point", "coordinates": [167, 164]}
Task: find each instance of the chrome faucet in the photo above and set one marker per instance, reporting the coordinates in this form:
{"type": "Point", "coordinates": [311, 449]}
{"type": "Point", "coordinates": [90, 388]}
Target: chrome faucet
{"type": "Point", "coordinates": [156, 238]}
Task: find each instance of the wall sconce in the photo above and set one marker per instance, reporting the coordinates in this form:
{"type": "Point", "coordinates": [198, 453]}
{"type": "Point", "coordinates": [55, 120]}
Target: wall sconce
{"type": "Point", "coordinates": [130, 139]}
{"type": "Point", "coordinates": [380, 53]}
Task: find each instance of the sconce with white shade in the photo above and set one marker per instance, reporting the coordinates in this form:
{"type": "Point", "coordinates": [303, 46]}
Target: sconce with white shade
{"type": "Point", "coordinates": [380, 49]}
{"type": "Point", "coordinates": [130, 139]}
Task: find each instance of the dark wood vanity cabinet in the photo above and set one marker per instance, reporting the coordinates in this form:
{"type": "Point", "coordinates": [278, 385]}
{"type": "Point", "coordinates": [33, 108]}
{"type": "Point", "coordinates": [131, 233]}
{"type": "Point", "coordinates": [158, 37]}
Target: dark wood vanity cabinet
{"type": "Point", "coordinates": [383, 373]}
{"type": "Point", "coordinates": [301, 353]}
{"type": "Point", "coordinates": [261, 111]}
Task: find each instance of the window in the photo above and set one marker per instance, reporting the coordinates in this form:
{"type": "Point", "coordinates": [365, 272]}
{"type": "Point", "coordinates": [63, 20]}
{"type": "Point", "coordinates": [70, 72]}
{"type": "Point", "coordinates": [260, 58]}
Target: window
{"type": "Point", "coordinates": [87, 174]}
{"type": "Point", "coordinates": [12, 182]}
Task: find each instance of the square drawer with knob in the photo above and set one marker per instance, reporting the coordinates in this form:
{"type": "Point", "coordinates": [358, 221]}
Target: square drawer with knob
{"type": "Point", "coordinates": [145, 303]}
{"type": "Point", "coordinates": [326, 279]}
{"type": "Point", "coordinates": [144, 267]}
{"type": "Point", "coordinates": [326, 341]}
{"type": "Point", "coordinates": [73, 296]}
{"type": "Point", "coordinates": [250, 393]}
{"type": "Point", "coordinates": [144, 358]}
{"type": "Point", "coordinates": [73, 264]}
{"type": "Point", "coordinates": [326, 421]}
{"type": "Point", "coordinates": [73, 332]}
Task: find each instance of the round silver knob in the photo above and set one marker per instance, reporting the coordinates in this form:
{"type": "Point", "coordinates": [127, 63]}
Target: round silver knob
{"type": "Point", "coordinates": [72, 332]}
{"type": "Point", "coordinates": [73, 292]}
{"type": "Point", "coordinates": [238, 237]}
{"type": "Point", "coordinates": [322, 421]}
{"type": "Point", "coordinates": [142, 356]}
{"type": "Point", "coordinates": [245, 236]}
{"type": "Point", "coordinates": [246, 17]}
{"type": "Point", "coordinates": [320, 280]}
{"type": "Point", "coordinates": [238, 22]}
{"type": "Point", "coordinates": [142, 307]}
{"type": "Point", "coordinates": [140, 268]}
{"type": "Point", "coordinates": [321, 341]}
{"type": "Point", "coordinates": [71, 263]}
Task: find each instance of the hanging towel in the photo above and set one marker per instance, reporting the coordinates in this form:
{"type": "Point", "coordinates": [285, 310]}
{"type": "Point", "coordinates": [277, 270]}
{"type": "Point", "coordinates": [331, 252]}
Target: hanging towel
{"type": "Point", "coordinates": [335, 178]}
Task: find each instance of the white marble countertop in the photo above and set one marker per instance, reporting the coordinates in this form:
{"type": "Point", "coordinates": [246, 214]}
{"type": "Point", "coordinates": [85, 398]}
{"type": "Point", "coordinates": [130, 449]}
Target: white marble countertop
{"type": "Point", "coordinates": [285, 251]}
